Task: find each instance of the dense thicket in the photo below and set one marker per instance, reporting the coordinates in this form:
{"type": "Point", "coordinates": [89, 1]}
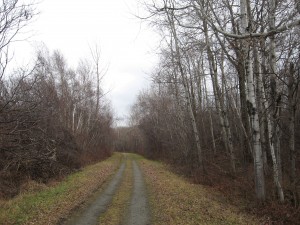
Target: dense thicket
{"type": "Point", "coordinates": [224, 97]}
{"type": "Point", "coordinates": [53, 118]}
{"type": "Point", "coordinates": [50, 122]}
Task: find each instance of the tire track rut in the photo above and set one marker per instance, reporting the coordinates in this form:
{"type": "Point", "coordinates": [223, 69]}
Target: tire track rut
{"type": "Point", "coordinates": [90, 214]}
{"type": "Point", "coordinates": [139, 213]}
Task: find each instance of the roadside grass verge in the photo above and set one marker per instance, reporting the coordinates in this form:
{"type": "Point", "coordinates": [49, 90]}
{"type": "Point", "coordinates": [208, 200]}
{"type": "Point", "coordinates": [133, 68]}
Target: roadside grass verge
{"type": "Point", "coordinates": [116, 213]}
{"type": "Point", "coordinates": [174, 200]}
{"type": "Point", "coordinates": [51, 204]}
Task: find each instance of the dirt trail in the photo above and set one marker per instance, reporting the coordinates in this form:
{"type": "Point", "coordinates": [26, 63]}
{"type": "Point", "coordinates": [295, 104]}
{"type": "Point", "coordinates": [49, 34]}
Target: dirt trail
{"type": "Point", "coordinates": [139, 210]}
{"type": "Point", "coordinates": [137, 213]}
{"type": "Point", "coordinates": [90, 215]}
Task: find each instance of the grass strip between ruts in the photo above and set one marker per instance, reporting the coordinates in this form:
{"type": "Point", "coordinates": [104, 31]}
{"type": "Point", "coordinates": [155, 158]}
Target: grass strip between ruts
{"type": "Point", "coordinates": [53, 203]}
{"type": "Point", "coordinates": [116, 213]}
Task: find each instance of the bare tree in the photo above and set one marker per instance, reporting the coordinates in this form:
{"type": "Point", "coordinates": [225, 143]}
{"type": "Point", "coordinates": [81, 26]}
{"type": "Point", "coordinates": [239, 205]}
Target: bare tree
{"type": "Point", "coordinates": [14, 16]}
{"type": "Point", "coordinates": [245, 47]}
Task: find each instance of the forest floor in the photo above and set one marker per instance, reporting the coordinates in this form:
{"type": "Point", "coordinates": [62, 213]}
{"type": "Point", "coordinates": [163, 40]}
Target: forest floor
{"type": "Point", "coordinates": [125, 189]}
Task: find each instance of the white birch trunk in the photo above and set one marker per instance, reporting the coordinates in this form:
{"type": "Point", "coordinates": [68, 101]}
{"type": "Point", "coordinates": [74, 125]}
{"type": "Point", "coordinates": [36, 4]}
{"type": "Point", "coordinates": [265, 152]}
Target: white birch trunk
{"type": "Point", "coordinates": [273, 120]}
{"type": "Point", "coordinates": [73, 119]}
{"type": "Point", "coordinates": [252, 108]}
{"type": "Point", "coordinates": [210, 120]}
{"type": "Point", "coordinates": [79, 123]}
{"type": "Point", "coordinates": [292, 101]}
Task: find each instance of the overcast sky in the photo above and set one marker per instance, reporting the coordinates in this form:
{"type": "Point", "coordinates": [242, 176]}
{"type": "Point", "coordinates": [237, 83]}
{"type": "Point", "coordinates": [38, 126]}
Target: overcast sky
{"type": "Point", "coordinates": [127, 45]}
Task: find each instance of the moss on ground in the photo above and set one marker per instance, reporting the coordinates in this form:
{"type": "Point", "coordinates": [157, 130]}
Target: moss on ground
{"type": "Point", "coordinates": [174, 200]}
{"type": "Point", "coordinates": [117, 210]}
{"type": "Point", "coordinates": [53, 203]}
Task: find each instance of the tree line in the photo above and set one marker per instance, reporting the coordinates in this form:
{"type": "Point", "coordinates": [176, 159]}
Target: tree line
{"type": "Point", "coordinates": [224, 95]}
{"type": "Point", "coordinates": [53, 118]}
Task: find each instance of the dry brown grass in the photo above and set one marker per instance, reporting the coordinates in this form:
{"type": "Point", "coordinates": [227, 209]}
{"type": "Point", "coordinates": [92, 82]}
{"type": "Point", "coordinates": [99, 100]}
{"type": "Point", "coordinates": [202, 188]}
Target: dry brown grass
{"type": "Point", "coordinates": [174, 200]}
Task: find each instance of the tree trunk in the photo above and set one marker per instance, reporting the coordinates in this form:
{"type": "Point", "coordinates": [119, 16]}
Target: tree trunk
{"type": "Point", "coordinates": [252, 107]}
{"type": "Point", "coordinates": [292, 104]}
{"type": "Point", "coordinates": [210, 120]}
{"type": "Point", "coordinates": [274, 117]}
